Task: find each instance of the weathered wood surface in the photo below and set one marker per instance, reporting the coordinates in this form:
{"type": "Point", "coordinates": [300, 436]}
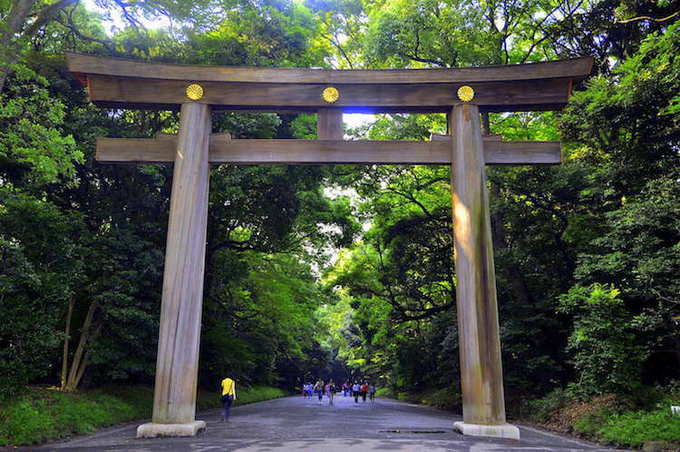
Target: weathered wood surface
{"type": "Point", "coordinates": [523, 95]}
{"type": "Point", "coordinates": [329, 124]}
{"type": "Point", "coordinates": [180, 322]}
{"type": "Point", "coordinates": [120, 67]}
{"type": "Point", "coordinates": [480, 356]}
{"type": "Point", "coordinates": [251, 152]}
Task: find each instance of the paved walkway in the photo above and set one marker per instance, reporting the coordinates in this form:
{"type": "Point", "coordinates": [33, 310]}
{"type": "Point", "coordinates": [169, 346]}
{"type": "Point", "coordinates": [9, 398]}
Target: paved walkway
{"type": "Point", "coordinates": [298, 424]}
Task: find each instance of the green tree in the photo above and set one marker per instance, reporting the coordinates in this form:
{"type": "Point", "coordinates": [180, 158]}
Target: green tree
{"type": "Point", "coordinates": [34, 151]}
{"type": "Point", "coordinates": [603, 342]}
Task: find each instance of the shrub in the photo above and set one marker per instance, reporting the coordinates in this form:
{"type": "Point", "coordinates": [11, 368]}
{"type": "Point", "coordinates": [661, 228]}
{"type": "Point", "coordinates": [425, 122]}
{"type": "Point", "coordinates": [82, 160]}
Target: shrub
{"type": "Point", "coordinates": [540, 410]}
{"type": "Point", "coordinates": [603, 343]}
{"type": "Point", "coordinates": [590, 425]}
{"type": "Point", "coordinates": [445, 399]}
{"type": "Point", "coordinates": [383, 392]}
{"type": "Point", "coordinates": [634, 428]}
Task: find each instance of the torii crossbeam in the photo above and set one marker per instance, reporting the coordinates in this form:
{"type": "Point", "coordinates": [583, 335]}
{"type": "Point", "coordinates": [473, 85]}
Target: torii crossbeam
{"type": "Point", "coordinates": [197, 91]}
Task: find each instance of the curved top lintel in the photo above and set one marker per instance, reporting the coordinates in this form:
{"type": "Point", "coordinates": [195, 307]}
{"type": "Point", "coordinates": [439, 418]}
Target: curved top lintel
{"type": "Point", "coordinates": [81, 64]}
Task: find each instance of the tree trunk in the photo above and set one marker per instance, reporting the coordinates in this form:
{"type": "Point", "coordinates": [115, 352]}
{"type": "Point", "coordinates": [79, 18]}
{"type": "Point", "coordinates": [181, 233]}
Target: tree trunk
{"type": "Point", "coordinates": [85, 361]}
{"type": "Point", "coordinates": [14, 29]}
{"type": "Point", "coordinates": [486, 124]}
{"type": "Point", "coordinates": [81, 355]}
{"type": "Point", "coordinates": [9, 29]}
{"type": "Point", "coordinates": [67, 337]}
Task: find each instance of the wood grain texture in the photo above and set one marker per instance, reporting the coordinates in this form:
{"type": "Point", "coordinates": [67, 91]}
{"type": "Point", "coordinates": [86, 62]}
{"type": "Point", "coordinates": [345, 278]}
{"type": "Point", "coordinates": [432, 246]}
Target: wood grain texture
{"type": "Point", "coordinates": [329, 124]}
{"type": "Point", "coordinates": [480, 355]}
{"type": "Point", "coordinates": [542, 94]}
{"type": "Point", "coordinates": [120, 67]}
{"type": "Point", "coordinates": [180, 321]}
{"type": "Point", "coordinates": [290, 152]}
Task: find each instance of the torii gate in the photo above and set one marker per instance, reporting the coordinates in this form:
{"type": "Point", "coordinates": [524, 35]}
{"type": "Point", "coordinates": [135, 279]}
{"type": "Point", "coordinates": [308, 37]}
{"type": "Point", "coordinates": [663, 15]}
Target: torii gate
{"type": "Point", "coordinates": [200, 90]}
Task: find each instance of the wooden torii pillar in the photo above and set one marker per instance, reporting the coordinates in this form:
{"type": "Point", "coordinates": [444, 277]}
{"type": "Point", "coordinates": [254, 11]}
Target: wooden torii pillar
{"type": "Point", "coordinates": [200, 90]}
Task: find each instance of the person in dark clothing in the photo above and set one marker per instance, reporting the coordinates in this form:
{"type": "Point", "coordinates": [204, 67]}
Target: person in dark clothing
{"type": "Point", "coordinates": [318, 387]}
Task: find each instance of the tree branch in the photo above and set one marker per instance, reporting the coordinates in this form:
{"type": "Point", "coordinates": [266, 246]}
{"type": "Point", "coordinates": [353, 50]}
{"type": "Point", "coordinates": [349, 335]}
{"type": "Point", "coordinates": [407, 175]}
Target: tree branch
{"type": "Point", "coordinates": [45, 15]}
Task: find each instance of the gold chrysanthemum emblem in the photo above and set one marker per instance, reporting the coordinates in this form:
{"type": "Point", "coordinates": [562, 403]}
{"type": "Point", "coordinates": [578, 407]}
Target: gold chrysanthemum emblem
{"type": "Point", "coordinates": [194, 91]}
{"type": "Point", "coordinates": [466, 93]}
{"type": "Point", "coordinates": [330, 94]}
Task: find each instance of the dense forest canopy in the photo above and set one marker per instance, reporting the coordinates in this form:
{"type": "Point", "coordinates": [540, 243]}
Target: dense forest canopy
{"type": "Point", "coordinates": [343, 272]}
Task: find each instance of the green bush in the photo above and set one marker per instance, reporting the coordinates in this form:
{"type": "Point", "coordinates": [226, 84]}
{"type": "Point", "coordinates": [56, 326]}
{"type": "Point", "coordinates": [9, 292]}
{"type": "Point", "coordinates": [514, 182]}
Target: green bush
{"type": "Point", "coordinates": [406, 397]}
{"type": "Point", "coordinates": [628, 421]}
{"type": "Point", "coordinates": [541, 409]}
{"type": "Point", "coordinates": [383, 392]}
{"type": "Point", "coordinates": [445, 399]}
{"type": "Point", "coordinates": [41, 415]}
{"type": "Point", "coordinates": [633, 429]}
{"type": "Point", "coordinates": [590, 425]}
{"type": "Point", "coordinates": [603, 341]}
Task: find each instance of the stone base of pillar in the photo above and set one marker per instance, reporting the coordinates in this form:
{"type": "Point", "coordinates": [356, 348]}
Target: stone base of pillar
{"type": "Point", "coordinates": [152, 430]}
{"type": "Point", "coordinates": [507, 431]}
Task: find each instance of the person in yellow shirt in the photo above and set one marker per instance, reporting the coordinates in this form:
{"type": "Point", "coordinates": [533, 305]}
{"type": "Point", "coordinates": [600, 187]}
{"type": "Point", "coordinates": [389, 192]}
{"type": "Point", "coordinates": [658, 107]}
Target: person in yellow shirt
{"type": "Point", "coordinates": [228, 397]}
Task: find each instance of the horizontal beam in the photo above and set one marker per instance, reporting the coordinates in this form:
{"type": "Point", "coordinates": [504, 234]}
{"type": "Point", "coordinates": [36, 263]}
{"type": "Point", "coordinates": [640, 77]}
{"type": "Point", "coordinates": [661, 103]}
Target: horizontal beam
{"type": "Point", "coordinates": [120, 67]}
{"type": "Point", "coordinates": [545, 94]}
{"type": "Point", "coordinates": [121, 83]}
{"type": "Point", "coordinates": [292, 152]}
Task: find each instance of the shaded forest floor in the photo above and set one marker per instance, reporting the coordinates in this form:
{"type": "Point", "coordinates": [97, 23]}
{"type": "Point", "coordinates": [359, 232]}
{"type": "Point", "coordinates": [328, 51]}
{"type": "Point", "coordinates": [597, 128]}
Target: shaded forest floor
{"type": "Point", "coordinates": [40, 414]}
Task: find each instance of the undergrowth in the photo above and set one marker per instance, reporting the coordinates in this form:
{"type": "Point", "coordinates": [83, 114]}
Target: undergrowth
{"type": "Point", "coordinates": [39, 415]}
{"type": "Point", "coordinates": [625, 421]}
{"type": "Point", "coordinates": [445, 398]}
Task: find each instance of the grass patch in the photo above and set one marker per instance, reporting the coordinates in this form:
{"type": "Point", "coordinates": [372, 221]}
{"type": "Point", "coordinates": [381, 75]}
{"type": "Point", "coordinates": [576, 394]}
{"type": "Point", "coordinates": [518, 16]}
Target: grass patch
{"type": "Point", "coordinates": [634, 429]}
{"type": "Point", "coordinates": [255, 394]}
{"type": "Point", "coordinates": [41, 415]}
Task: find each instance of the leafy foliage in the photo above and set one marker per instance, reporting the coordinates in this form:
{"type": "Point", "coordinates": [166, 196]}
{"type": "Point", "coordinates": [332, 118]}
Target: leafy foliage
{"type": "Point", "coordinates": [606, 216]}
{"type": "Point", "coordinates": [633, 429]}
{"type": "Point", "coordinates": [40, 267]}
{"type": "Point", "coordinates": [606, 357]}
{"type": "Point", "coordinates": [33, 148]}
{"type": "Point", "coordinates": [346, 271]}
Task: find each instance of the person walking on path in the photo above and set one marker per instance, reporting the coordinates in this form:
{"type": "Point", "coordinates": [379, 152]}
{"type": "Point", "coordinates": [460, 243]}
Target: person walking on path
{"type": "Point", "coordinates": [330, 391]}
{"type": "Point", "coordinates": [345, 389]}
{"type": "Point", "coordinates": [318, 388]}
{"type": "Point", "coordinates": [371, 392]}
{"type": "Point", "coordinates": [364, 391]}
{"type": "Point", "coordinates": [228, 397]}
{"type": "Point", "coordinates": [356, 390]}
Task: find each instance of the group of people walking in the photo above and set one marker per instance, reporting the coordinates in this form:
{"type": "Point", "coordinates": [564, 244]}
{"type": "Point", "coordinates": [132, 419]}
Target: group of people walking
{"type": "Point", "coordinates": [357, 390]}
